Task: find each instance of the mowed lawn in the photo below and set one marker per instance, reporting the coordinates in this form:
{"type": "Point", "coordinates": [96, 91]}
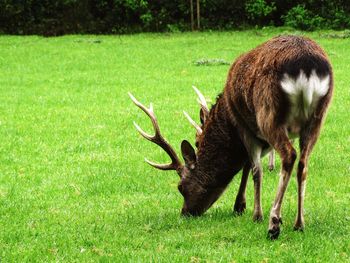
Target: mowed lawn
{"type": "Point", "coordinates": [73, 183]}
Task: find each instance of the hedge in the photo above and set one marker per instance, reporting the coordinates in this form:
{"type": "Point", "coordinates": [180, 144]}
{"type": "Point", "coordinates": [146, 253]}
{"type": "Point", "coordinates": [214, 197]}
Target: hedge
{"type": "Point", "coordinates": [57, 17]}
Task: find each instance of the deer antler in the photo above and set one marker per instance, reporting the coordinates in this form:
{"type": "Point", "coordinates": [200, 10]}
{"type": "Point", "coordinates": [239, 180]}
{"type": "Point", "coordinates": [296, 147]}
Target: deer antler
{"type": "Point", "coordinates": [157, 139]}
{"type": "Point", "coordinates": [194, 124]}
{"type": "Point", "coordinates": [203, 103]}
{"type": "Point", "coordinates": [201, 100]}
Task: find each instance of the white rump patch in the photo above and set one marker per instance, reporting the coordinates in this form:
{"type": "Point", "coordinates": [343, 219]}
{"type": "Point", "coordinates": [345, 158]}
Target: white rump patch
{"type": "Point", "coordinates": [311, 89]}
{"type": "Point", "coordinates": [304, 93]}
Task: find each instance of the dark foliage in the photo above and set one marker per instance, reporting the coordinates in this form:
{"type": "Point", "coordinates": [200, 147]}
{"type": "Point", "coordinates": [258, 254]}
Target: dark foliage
{"type": "Point", "coordinates": [56, 17]}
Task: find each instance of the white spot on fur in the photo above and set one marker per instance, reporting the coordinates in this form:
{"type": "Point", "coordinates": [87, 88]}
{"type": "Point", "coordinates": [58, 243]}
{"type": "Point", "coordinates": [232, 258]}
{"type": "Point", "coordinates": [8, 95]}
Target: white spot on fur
{"type": "Point", "coordinates": [304, 93]}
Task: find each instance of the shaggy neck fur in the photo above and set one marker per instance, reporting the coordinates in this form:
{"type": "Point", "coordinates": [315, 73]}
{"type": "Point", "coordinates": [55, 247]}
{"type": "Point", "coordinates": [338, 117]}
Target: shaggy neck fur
{"type": "Point", "coordinates": [221, 153]}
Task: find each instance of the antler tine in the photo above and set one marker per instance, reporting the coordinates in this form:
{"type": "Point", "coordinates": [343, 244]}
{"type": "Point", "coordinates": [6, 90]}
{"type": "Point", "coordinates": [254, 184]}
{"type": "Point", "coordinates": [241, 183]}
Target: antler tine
{"type": "Point", "coordinates": [150, 114]}
{"type": "Point", "coordinates": [201, 100]}
{"type": "Point", "coordinates": [157, 138]}
{"type": "Point", "coordinates": [160, 166]}
{"type": "Point", "coordinates": [143, 133]}
{"type": "Point", "coordinates": [194, 124]}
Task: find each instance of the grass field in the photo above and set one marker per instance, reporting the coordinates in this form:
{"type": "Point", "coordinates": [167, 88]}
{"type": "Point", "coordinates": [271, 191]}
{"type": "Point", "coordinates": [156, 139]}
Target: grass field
{"type": "Point", "coordinates": [73, 183]}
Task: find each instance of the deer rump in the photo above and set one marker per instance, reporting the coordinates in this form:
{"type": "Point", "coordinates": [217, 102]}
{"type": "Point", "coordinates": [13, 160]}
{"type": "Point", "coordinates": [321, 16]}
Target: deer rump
{"type": "Point", "coordinates": [278, 84]}
{"type": "Point", "coordinates": [279, 90]}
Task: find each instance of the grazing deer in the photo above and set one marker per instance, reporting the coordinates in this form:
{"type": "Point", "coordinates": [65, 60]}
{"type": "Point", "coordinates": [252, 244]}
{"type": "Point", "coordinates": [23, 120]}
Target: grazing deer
{"type": "Point", "coordinates": [240, 203]}
{"type": "Point", "coordinates": [277, 91]}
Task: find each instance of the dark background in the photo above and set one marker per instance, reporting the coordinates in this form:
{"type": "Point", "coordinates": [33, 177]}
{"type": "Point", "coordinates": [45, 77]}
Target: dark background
{"type": "Point", "coordinates": [53, 17]}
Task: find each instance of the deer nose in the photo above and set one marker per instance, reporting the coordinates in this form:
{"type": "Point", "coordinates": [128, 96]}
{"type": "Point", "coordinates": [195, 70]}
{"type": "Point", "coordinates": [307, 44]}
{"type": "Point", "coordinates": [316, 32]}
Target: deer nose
{"type": "Point", "coordinates": [187, 212]}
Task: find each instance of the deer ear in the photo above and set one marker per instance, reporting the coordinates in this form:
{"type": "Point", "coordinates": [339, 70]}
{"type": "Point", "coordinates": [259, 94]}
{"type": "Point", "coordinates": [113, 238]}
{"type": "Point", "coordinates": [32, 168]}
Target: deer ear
{"type": "Point", "coordinates": [201, 116]}
{"type": "Point", "coordinates": [188, 154]}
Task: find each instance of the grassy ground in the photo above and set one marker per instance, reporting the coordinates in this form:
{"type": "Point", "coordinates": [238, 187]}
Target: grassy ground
{"type": "Point", "coordinates": [73, 184]}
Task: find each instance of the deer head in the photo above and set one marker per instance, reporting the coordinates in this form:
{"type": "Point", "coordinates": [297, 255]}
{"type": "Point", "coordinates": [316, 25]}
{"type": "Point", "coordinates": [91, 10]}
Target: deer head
{"type": "Point", "coordinates": [198, 197]}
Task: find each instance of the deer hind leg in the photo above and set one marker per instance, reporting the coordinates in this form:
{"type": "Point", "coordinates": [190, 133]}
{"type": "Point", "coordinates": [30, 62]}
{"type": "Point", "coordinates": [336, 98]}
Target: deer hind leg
{"type": "Point", "coordinates": [240, 203]}
{"type": "Point", "coordinates": [308, 138]}
{"type": "Point", "coordinates": [272, 158]}
{"type": "Point", "coordinates": [283, 146]}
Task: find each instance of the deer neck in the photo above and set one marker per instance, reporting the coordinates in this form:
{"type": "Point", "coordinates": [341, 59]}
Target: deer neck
{"type": "Point", "coordinates": [221, 152]}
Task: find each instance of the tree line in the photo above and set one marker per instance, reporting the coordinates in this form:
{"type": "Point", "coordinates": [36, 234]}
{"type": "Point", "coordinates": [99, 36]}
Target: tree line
{"type": "Point", "coordinates": [57, 17]}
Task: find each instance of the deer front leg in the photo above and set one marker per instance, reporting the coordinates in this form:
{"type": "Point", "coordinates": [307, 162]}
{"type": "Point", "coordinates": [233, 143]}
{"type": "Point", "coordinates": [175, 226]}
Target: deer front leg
{"type": "Point", "coordinates": [240, 203]}
{"type": "Point", "coordinates": [255, 153]}
{"type": "Point", "coordinates": [254, 150]}
{"type": "Point", "coordinates": [257, 178]}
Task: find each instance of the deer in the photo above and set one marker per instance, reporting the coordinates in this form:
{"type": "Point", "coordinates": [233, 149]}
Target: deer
{"type": "Point", "coordinates": [240, 203]}
{"type": "Point", "coordinates": [277, 91]}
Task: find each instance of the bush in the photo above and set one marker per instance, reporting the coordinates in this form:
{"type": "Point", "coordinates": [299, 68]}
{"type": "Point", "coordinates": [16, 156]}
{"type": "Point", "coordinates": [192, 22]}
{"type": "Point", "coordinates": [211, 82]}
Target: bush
{"type": "Point", "coordinates": [258, 10]}
{"type": "Point", "coordinates": [340, 19]}
{"type": "Point", "coordinates": [300, 18]}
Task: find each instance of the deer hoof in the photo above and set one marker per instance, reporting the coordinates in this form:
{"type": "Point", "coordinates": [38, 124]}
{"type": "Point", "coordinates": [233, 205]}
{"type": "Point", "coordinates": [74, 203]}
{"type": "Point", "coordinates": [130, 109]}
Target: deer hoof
{"type": "Point", "coordinates": [274, 227]}
{"type": "Point", "coordinates": [258, 217]}
{"type": "Point", "coordinates": [274, 233]}
{"type": "Point", "coordinates": [239, 208]}
{"type": "Point", "coordinates": [298, 226]}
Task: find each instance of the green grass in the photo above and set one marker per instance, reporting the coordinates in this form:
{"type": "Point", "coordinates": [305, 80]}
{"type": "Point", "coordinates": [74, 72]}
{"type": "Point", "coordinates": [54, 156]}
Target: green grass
{"type": "Point", "coordinates": [73, 183]}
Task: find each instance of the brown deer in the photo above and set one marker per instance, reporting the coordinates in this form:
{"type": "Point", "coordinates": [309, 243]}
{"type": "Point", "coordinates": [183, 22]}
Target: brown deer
{"type": "Point", "coordinates": [277, 91]}
{"type": "Point", "coordinates": [240, 203]}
